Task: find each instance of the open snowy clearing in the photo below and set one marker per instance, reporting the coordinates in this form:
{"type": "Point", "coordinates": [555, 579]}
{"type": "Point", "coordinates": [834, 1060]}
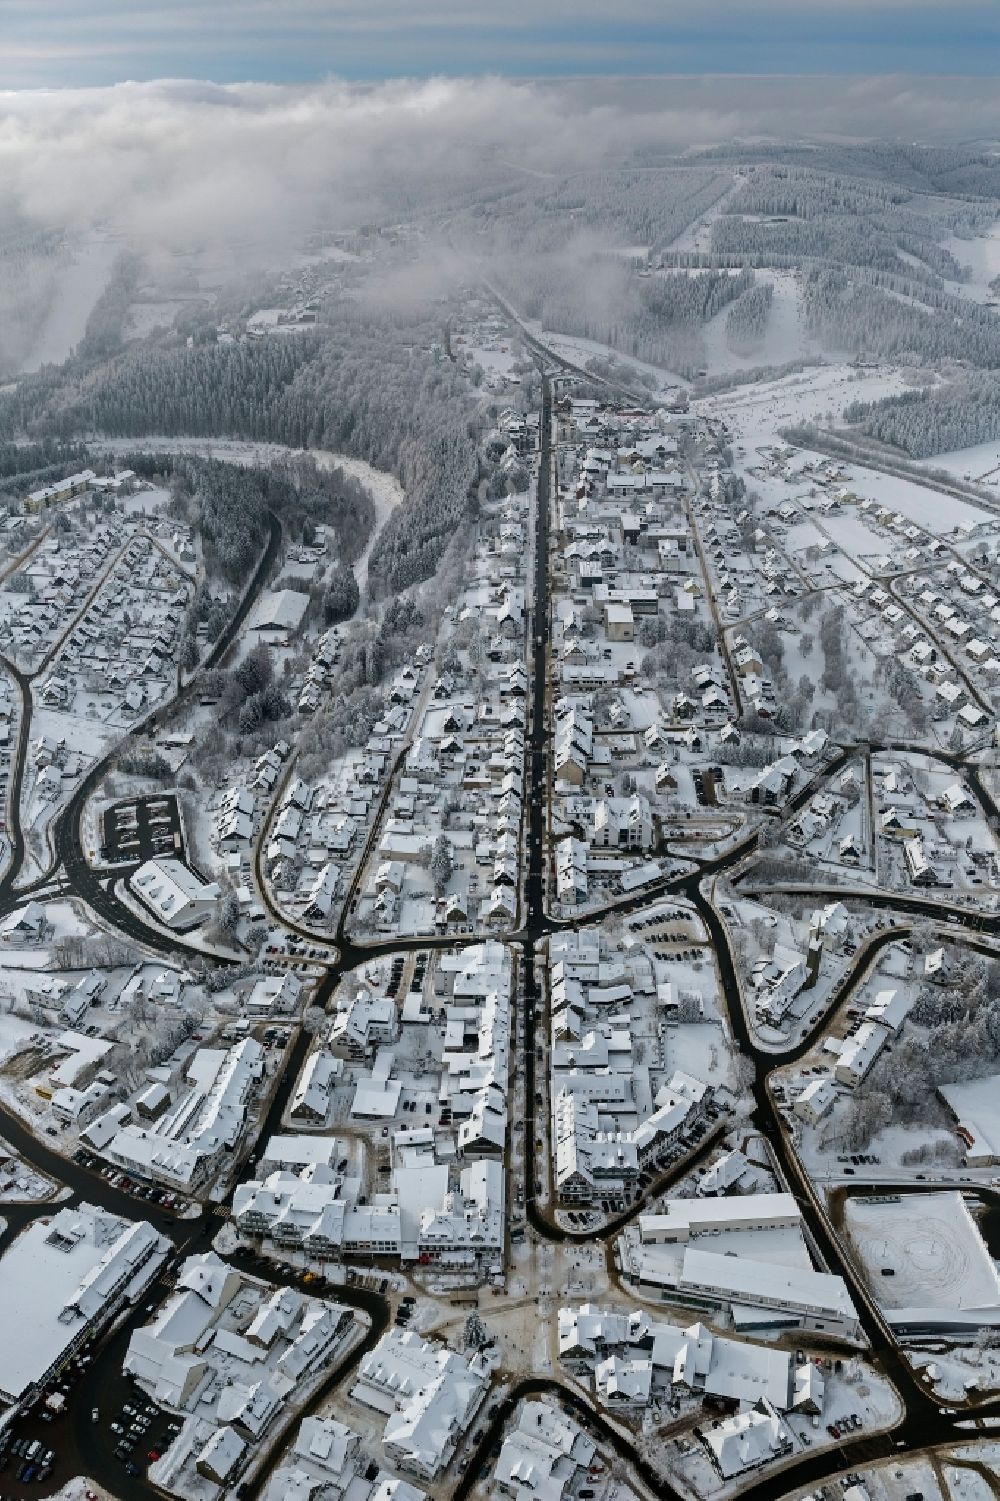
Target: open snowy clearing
{"type": "Point", "coordinates": [785, 338]}
{"type": "Point", "coordinates": [982, 256]}
{"type": "Point", "coordinates": [932, 1246]}
{"type": "Point", "coordinates": [145, 316]}
{"type": "Point", "coordinates": [757, 411]}
{"type": "Point", "coordinates": [980, 463]}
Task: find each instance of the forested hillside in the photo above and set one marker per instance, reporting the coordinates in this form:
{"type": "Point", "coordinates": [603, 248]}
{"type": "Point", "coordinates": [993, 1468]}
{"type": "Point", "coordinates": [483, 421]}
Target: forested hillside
{"type": "Point", "coordinates": [929, 421]}
{"type": "Point", "coordinates": [857, 316]}
{"type": "Point", "coordinates": [746, 321]}
{"type": "Point", "coordinates": [649, 208]}
{"type": "Point", "coordinates": [367, 387]}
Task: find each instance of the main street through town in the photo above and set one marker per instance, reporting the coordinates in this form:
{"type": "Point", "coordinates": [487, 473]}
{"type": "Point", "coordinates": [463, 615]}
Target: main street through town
{"type": "Point", "coordinates": [86, 1448]}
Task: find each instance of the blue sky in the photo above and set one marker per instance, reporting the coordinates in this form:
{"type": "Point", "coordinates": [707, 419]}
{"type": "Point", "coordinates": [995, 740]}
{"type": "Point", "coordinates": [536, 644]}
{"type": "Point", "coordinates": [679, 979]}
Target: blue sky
{"type": "Point", "coordinates": [54, 43]}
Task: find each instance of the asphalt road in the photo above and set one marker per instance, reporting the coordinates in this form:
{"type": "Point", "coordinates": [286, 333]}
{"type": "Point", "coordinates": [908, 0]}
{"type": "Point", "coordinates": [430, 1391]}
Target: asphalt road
{"type": "Point", "coordinates": [15, 833]}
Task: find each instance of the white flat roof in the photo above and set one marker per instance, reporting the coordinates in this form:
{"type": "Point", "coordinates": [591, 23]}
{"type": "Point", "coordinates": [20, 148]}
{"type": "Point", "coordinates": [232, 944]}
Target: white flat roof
{"type": "Point", "coordinates": [747, 1280]}
{"type": "Point", "coordinates": [696, 1215]}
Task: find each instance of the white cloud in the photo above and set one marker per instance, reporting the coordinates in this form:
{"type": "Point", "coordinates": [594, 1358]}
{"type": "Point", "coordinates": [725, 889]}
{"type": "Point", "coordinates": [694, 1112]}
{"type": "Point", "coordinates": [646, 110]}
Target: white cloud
{"type": "Point", "coordinates": [179, 162]}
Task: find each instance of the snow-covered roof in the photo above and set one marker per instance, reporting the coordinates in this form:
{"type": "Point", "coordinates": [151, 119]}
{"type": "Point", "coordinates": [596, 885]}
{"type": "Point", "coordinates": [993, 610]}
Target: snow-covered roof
{"type": "Point", "coordinates": [60, 1275]}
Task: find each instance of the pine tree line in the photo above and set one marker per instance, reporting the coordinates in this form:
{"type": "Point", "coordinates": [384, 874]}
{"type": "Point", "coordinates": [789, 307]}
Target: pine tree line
{"type": "Point", "coordinates": [934, 420]}
{"type": "Point", "coordinates": [370, 388]}
{"type": "Point", "coordinates": [746, 321]}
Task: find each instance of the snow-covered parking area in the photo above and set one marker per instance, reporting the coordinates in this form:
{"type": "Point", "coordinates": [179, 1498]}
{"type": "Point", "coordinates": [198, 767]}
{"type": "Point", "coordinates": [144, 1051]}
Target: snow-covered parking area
{"type": "Point", "coordinates": [923, 1251]}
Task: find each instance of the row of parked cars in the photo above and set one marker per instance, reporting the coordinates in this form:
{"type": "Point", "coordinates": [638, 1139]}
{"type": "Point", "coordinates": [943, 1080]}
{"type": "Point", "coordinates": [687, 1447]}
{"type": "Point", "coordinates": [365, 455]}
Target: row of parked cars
{"type": "Point", "coordinates": [119, 1179]}
{"type": "Point", "coordinates": [35, 1460]}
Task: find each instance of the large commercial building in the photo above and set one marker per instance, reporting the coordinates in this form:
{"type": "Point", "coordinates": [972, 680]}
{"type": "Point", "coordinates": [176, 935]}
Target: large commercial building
{"type": "Point", "coordinates": [64, 1278]}
{"type": "Point", "coordinates": [174, 894]}
{"type": "Point", "coordinates": [683, 1220]}
{"type": "Point", "coordinates": [744, 1258]}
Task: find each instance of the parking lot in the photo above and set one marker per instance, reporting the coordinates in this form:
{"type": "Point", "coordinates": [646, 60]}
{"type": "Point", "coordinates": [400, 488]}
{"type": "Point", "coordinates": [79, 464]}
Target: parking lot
{"type": "Point", "coordinates": [34, 1450]}
{"type": "Point", "coordinates": [142, 828]}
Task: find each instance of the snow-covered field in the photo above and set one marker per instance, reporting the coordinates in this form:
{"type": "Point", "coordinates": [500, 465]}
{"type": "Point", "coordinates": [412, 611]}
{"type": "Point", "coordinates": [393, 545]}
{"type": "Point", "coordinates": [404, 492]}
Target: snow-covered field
{"type": "Point", "coordinates": [496, 362]}
{"type": "Point", "coordinates": [145, 316]}
{"type": "Point", "coordinates": [982, 256]}
{"type": "Point", "coordinates": [785, 338]}
{"type": "Point", "coordinates": [980, 463]}
{"type": "Point", "coordinates": [756, 412]}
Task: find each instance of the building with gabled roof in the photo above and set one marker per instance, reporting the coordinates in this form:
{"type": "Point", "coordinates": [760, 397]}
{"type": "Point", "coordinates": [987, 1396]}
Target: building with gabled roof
{"type": "Point", "coordinates": [747, 1440]}
{"type": "Point", "coordinates": [545, 1457]}
{"type": "Point", "coordinates": [175, 895]}
{"type": "Point", "coordinates": [428, 1394]}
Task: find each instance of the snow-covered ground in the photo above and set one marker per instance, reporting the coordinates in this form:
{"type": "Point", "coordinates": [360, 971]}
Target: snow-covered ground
{"type": "Point", "coordinates": [981, 463]}
{"type": "Point", "coordinates": [785, 338]}
{"type": "Point", "coordinates": [15, 1033]}
{"type": "Point", "coordinates": [967, 1485]}
{"type": "Point", "coordinates": [756, 412]}
{"type": "Point", "coordinates": [498, 362]}
{"type": "Point", "coordinates": [145, 316]}
{"type": "Point", "coordinates": [79, 1488]}
{"type": "Point", "coordinates": [982, 256]}
{"type": "Point", "coordinates": [954, 1373]}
